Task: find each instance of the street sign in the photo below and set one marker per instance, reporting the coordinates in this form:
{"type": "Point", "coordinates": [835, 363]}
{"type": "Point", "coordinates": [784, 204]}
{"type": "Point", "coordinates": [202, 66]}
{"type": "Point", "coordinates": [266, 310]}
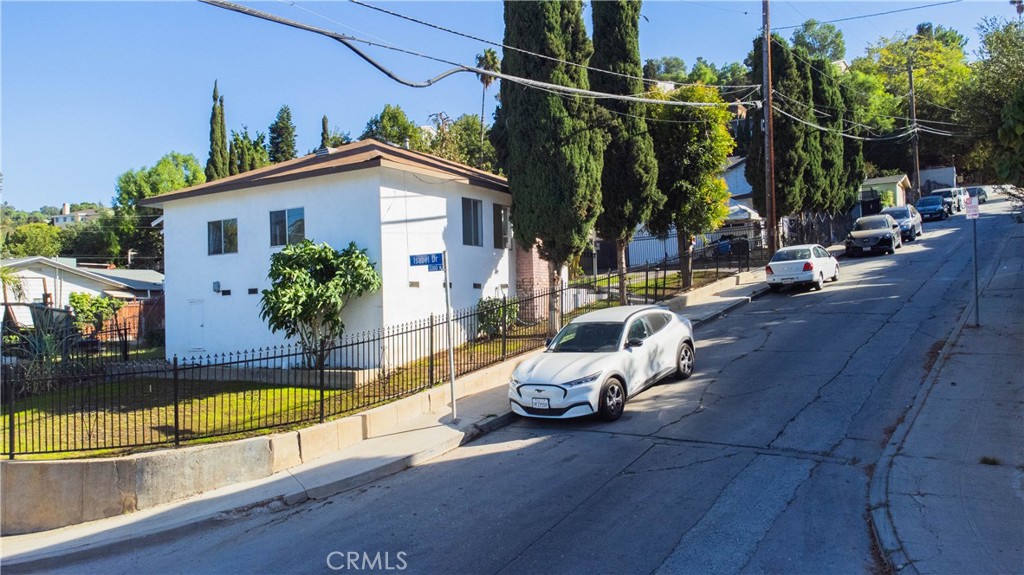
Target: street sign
{"type": "Point", "coordinates": [434, 262]}
{"type": "Point", "coordinates": [972, 208]}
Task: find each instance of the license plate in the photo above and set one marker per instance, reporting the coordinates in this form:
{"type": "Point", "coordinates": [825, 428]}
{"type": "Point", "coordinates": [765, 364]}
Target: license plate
{"type": "Point", "coordinates": [787, 281]}
{"type": "Point", "coordinates": [541, 403]}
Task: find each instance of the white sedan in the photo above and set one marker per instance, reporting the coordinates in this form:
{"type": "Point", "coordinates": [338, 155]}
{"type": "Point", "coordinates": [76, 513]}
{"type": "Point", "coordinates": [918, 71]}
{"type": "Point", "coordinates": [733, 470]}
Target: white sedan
{"type": "Point", "coordinates": [601, 359]}
{"type": "Point", "coordinates": [805, 264]}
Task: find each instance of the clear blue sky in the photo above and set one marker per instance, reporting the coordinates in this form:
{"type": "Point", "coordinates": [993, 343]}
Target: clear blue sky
{"type": "Point", "coordinates": [92, 89]}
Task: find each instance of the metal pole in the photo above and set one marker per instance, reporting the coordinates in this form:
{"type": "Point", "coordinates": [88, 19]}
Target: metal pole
{"type": "Point", "coordinates": [430, 355]}
{"type": "Point", "coordinates": [10, 409]}
{"type": "Point", "coordinates": [504, 326]}
{"type": "Point", "coordinates": [448, 329]}
{"type": "Point", "coordinates": [323, 368]}
{"type": "Point", "coordinates": [769, 134]}
{"type": "Point", "coordinates": [913, 125]}
{"type": "Point", "coordinates": [177, 425]}
{"type": "Point", "coordinates": [977, 321]}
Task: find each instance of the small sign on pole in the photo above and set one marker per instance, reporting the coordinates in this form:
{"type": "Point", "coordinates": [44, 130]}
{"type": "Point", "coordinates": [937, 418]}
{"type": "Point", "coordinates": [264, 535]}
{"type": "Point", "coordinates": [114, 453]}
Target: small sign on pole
{"type": "Point", "coordinates": [435, 263]}
{"type": "Point", "coordinates": [972, 208]}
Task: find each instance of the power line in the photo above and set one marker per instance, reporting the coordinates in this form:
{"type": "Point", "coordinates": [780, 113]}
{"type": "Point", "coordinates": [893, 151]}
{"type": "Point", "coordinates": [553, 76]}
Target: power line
{"type": "Point", "coordinates": [841, 133]}
{"type": "Point", "coordinates": [348, 40]}
{"type": "Point", "coordinates": [516, 49]}
{"type": "Point", "coordinates": [862, 16]}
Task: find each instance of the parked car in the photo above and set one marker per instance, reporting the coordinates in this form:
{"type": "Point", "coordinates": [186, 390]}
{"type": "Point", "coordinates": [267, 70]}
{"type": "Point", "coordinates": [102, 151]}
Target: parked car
{"type": "Point", "coordinates": [600, 360]}
{"type": "Point", "coordinates": [953, 196]}
{"type": "Point", "coordinates": [878, 233]}
{"type": "Point", "coordinates": [808, 264]}
{"type": "Point", "coordinates": [979, 193]}
{"type": "Point", "coordinates": [909, 219]}
{"type": "Point", "coordinates": [932, 208]}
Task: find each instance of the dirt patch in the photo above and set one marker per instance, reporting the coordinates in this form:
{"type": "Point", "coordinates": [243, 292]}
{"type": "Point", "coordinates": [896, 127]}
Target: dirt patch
{"type": "Point", "coordinates": [933, 355]}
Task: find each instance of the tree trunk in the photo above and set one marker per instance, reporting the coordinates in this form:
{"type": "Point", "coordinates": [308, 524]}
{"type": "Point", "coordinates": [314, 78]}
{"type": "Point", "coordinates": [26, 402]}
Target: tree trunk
{"type": "Point", "coordinates": [685, 258]}
{"type": "Point", "coordinates": [554, 299]}
{"type": "Point", "coordinates": [620, 261]}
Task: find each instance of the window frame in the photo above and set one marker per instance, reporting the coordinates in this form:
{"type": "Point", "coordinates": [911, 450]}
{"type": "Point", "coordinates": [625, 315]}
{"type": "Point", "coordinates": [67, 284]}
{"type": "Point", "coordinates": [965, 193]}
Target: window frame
{"type": "Point", "coordinates": [472, 222]}
{"type": "Point", "coordinates": [224, 239]}
{"type": "Point", "coordinates": [287, 235]}
{"type": "Point", "coordinates": [502, 224]}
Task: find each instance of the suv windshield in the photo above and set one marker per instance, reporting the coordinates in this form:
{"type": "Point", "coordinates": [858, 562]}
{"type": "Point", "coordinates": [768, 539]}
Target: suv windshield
{"type": "Point", "coordinates": [587, 337]}
{"type": "Point", "coordinates": [872, 224]}
{"type": "Point", "coordinates": [898, 212]}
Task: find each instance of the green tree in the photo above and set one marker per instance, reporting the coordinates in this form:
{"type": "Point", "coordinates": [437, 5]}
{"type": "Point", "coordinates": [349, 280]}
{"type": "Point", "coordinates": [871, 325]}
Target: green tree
{"type": "Point", "coordinates": [90, 241]}
{"type": "Point", "coordinates": [310, 285]}
{"type": "Point", "coordinates": [334, 137]}
{"type": "Point", "coordinates": [465, 129]}
{"type": "Point", "coordinates": [91, 312]}
{"type": "Point", "coordinates": [547, 142]}
{"type": "Point", "coordinates": [995, 76]}
{"type": "Point", "coordinates": [217, 163]}
{"type": "Point", "coordinates": [820, 40]}
{"type": "Point", "coordinates": [828, 100]}
{"type": "Point", "coordinates": [444, 143]}
{"type": "Point", "coordinates": [247, 152]}
{"type": "Point", "coordinates": [487, 61]}
{"type": "Point", "coordinates": [666, 68]}
{"type": "Point", "coordinates": [814, 181]}
{"type": "Point", "coordinates": [948, 36]}
{"type": "Point", "coordinates": [703, 72]}
{"type": "Point", "coordinates": [790, 161]}
{"type": "Point", "coordinates": [282, 137]}
{"type": "Point", "coordinates": [629, 179]}
{"type": "Point", "coordinates": [854, 167]}
{"type": "Point", "coordinates": [691, 145]}
{"type": "Point", "coordinates": [1010, 165]}
{"type": "Point", "coordinates": [394, 127]}
{"type": "Point", "coordinates": [33, 240]}
{"type": "Point", "coordinates": [134, 223]}
{"type": "Point", "coordinates": [870, 103]}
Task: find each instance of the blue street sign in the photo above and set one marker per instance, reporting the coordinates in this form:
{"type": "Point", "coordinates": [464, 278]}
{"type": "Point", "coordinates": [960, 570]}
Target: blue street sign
{"type": "Point", "coordinates": [434, 262]}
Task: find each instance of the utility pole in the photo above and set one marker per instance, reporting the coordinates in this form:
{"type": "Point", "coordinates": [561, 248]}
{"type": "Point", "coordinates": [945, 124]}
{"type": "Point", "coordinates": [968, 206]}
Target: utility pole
{"type": "Point", "coordinates": [914, 139]}
{"type": "Point", "coordinates": [769, 134]}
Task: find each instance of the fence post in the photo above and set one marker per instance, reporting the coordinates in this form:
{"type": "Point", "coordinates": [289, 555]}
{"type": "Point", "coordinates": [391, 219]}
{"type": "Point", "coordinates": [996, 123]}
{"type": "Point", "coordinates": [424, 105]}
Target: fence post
{"type": "Point", "coordinates": [177, 423]}
{"type": "Point", "coordinates": [647, 284]}
{"type": "Point", "coordinates": [9, 400]}
{"type": "Point", "coordinates": [322, 373]}
{"type": "Point", "coordinates": [504, 326]}
{"type": "Point", "coordinates": [430, 355]}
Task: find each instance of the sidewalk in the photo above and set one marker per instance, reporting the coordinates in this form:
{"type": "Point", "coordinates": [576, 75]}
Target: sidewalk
{"type": "Point", "coordinates": [947, 495]}
{"type": "Point", "coordinates": [416, 442]}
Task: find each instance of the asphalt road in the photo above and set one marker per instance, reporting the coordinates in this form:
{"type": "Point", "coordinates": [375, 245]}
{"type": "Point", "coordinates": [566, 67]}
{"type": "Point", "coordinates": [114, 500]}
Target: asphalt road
{"type": "Point", "coordinates": [758, 463]}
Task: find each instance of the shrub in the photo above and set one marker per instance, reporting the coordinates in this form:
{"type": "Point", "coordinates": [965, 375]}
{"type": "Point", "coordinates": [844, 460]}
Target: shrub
{"type": "Point", "coordinates": [492, 321]}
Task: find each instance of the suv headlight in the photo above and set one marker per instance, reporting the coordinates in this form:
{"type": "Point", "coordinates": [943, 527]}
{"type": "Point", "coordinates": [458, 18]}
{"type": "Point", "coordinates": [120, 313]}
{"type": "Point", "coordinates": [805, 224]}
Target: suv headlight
{"type": "Point", "coordinates": [513, 382]}
{"type": "Point", "coordinates": [583, 380]}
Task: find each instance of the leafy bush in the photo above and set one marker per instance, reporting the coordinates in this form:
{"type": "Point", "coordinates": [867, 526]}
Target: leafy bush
{"type": "Point", "coordinates": [92, 312]}
{"type": "Point", "coordinates": [492, 321]}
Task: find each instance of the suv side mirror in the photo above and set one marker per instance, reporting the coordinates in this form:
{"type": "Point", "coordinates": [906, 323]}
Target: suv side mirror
{"type": "Point", "coordinates": [634, 342]}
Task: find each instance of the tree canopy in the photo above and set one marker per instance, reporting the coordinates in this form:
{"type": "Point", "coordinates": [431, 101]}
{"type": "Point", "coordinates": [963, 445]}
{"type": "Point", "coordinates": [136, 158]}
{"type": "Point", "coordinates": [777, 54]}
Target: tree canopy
{"type": "Point", "coordinates": [394, 127]}
{"type": "Point", "coordinates": [217, 162]}
{"type": "Point", "coordinates": [37, 239]}
{"type": "Point", "coordinates": [310, 285]}
{"type": "Point", "coordinates": [820, 40]}
{"type": "Point", "coordinates": [281, 146]}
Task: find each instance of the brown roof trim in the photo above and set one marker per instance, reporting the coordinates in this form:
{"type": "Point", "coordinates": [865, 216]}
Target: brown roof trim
{"type": "Point", "coordinates": [343, 159]}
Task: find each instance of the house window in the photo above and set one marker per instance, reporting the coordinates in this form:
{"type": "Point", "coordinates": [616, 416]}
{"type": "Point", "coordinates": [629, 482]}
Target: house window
{"type": "Point", "coordinates": [287, 226]}
{"type": "Point", "coordinates": [222, 237]}
{"type": "Point", "coordinates": [502, 227]}
{"type": "Point", "coordinates": [472, 222]}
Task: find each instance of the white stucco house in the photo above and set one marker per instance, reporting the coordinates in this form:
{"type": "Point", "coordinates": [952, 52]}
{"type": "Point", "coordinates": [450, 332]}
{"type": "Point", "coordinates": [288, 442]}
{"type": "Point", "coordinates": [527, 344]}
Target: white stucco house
{"type": "Point", "coordinates": [393, 202]}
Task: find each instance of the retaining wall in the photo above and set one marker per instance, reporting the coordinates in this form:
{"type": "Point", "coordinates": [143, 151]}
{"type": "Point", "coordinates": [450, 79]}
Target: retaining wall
{"type": "Point", "coordinates": [41, 495]}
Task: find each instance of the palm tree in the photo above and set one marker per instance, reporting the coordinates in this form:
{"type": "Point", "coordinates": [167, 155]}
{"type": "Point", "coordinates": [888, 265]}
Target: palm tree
{"type": "Point", "coordinates": [486, 61]}
{"type": "Point", "coordinates": [10, 279]}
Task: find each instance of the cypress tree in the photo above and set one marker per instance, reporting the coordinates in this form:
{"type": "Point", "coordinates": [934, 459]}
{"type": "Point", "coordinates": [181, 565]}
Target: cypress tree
{"type": "Point", "coordinates": [325, 134]}
{"type": "Point", "coordinates": [552, 154]}
{"type": "Point", "coordinates": [217, 162]}
{"type": "Point", "coordinates": [828, 100]}
{"type": "Point", "coordinates": [814, 181]}
{"type": "Point", "coordinates": [854, 170]}
{"type": "Point", "coordinates": [282, 137]}
{"type": "Point", "coordinates": [629, 178]}
{"type": "Point", "coordinates": [789, 136]}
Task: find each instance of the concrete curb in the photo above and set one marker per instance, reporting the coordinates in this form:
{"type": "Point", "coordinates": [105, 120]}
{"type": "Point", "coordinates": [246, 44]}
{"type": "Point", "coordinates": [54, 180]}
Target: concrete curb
{"type": "Point", "coordinates": [880, 513]}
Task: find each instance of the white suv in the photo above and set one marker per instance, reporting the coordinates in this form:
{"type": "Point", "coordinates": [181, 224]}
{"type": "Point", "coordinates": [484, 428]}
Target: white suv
{"type": "Point", "coordinates": [955, 196]}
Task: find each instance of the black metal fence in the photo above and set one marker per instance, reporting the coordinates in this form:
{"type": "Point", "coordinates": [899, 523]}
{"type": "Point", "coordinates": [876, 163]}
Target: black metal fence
{"type": "Point", "coordinates": [33, 331]}
{"type": "Point", "coordinates": [68, 402]}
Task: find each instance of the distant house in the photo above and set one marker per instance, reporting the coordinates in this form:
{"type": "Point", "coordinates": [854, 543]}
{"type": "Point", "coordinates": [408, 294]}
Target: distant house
{"type": "Point", "coordinates": [872, 191]}
{"type": "Point", "coordinates": [67, 217]}
{"type": "Point", "coordinates": [393, 202]}
{"type": "Point", "coordinates": [49, 282]}
{"type": "Point", "coordinates": [740, 191]}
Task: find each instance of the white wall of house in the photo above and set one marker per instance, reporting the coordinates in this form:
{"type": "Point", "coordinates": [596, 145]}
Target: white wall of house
{"type": "Point", "coordinates": [391, 213]}
{"type": "Point", "coordinates": [338, 209]}
{"type": "Point", "coordinates": [38, 278]}
{"type": "Point", "coordinates": [736, 181]}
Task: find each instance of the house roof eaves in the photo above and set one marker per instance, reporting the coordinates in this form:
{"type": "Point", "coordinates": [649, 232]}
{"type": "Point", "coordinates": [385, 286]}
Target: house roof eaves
{"type": "Point", "coordinates": [24, 262]}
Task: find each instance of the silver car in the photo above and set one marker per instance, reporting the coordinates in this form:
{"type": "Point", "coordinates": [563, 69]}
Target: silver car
{"type": "Point", "coordinates": [909, 220]}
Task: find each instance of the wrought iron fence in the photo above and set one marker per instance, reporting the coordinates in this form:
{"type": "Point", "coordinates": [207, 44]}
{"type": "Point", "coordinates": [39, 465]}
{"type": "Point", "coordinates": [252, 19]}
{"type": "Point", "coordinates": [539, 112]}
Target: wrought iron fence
{"type": "Point", "coordinates": [71, 402]}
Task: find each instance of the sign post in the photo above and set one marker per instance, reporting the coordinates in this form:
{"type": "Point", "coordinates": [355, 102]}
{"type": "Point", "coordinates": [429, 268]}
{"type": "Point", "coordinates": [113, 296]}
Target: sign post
{"type": "Point", "coordinates": [436, 263]}
{"type": "Point", "coordinates": [972, 214]}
